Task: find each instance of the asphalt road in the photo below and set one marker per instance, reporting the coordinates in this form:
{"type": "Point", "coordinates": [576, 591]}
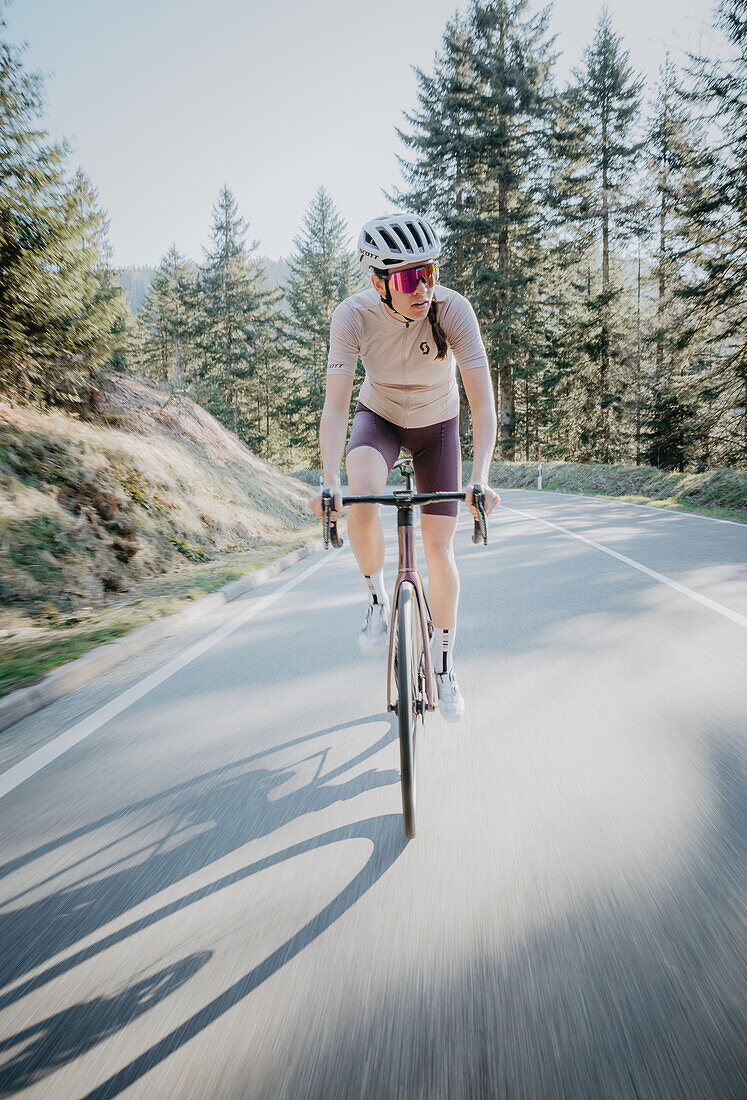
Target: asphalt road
{"type": "Point", "coordinates": [208, 893]}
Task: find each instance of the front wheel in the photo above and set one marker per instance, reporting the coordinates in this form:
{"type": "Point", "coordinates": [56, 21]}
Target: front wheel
{"type": "Point", "coordinates": [408, 664]}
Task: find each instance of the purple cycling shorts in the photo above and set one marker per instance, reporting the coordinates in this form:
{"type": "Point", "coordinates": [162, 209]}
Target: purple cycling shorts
{"type": "Point", "coordinates": [436, 453]}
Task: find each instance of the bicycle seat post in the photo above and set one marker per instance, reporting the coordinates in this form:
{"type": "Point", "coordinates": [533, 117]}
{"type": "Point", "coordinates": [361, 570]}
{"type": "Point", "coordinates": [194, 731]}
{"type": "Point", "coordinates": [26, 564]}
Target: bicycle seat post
{"type": "Point", "coordinates": [404, 465]}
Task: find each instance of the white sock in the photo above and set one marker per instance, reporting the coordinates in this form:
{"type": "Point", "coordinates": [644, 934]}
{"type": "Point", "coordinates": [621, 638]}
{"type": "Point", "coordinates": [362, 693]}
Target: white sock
{"type": "Point", "coordinates": [376, 589]}
{"type": "Point", "coordinates": [443, 646]}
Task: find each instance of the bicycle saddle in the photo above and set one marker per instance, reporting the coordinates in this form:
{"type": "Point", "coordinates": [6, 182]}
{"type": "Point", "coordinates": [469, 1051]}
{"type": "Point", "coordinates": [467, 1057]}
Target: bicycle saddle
{"type": "Point", "coordinates": [404, 465]}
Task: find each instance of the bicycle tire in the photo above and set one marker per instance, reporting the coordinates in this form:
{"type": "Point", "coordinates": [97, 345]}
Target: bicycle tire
{"type": "Point", "coordinates": [409, 645]}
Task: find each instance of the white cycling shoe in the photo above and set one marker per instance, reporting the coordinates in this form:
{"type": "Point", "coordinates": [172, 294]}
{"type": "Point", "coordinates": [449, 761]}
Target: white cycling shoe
{"type": "Point", "coordinates": [374, 636]}
{"type": "Point", "coordinates": [450, 698]}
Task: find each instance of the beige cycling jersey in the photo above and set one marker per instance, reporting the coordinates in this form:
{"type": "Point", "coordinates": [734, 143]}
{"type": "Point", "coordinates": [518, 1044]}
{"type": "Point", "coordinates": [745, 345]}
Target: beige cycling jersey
{"type": "Point", "coordinates": [404, 382]}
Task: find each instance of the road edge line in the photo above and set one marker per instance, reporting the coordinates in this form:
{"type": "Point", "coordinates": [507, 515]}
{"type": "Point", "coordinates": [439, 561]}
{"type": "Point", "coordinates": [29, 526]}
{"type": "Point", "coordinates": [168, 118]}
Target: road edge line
{"type": "Point", "coordinates": [712, 605]}
{"type": "Point", "coordinates": [29, 766]}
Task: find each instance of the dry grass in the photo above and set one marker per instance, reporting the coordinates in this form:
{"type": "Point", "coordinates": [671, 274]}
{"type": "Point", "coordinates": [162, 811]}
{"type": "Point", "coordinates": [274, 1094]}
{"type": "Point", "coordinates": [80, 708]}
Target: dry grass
{"type": "Point", "coordinates": [106, 524]}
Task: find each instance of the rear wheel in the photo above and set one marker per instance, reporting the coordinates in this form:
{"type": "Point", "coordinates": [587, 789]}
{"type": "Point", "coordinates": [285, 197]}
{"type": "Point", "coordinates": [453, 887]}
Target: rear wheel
{"type": "Point", "coordinates": [409, 698]}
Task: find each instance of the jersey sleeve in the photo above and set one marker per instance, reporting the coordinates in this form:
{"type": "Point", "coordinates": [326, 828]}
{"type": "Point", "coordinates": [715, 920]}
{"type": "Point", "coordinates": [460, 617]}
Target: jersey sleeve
{"type": "Point", "coordinates": [463, 334]}
{"type": "Point", "coordinates": [344, 342]}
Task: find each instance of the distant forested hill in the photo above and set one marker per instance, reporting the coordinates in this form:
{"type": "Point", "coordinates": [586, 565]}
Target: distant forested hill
{"type": "Point", "coordinates": [136, 280]}
{"type": "Point", "coordinates": [277, 271]}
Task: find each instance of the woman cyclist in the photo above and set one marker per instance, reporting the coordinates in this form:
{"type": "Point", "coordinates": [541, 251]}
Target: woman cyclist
{"type": "Point", "coordinates": [409, 332]}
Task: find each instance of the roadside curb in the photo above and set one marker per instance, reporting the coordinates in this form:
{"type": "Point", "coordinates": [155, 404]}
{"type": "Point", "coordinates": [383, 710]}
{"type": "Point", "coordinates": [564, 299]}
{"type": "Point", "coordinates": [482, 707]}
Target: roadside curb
{"type": "Point", "coordinates": [69, 677]}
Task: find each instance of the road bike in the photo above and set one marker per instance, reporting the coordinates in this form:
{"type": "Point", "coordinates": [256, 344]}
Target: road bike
{"type": "Point", "coordinates": [409, 668]}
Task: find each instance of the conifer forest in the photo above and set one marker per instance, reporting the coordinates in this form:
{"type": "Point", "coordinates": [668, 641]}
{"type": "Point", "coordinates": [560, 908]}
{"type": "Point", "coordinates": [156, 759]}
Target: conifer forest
{"type": "Point", "coordinates": [598, 227]}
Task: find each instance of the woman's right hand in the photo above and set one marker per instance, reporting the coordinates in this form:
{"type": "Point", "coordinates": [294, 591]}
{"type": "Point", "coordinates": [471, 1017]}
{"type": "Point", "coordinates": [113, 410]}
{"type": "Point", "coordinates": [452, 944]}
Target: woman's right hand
{"type": "Point", "coordinates": [316, 506]}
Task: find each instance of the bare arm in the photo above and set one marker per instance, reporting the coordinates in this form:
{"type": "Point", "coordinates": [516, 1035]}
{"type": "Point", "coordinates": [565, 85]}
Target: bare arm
{"type": "Point", "coordinates": [479, 390]}
{"type": "Point", "coordinates": [333, 429]}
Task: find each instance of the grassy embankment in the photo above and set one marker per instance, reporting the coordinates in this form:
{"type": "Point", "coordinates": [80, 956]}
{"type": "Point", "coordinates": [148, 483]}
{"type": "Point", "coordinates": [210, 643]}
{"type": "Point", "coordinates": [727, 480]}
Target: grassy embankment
{"type": "Point", "coordinates": [719, 493]}
{"type": "Point", "coordinates": [108, 524]}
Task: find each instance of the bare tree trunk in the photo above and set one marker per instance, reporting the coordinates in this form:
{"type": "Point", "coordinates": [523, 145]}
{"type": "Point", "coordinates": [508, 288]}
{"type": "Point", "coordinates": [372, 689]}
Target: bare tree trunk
{"type": "Point", "coordinates": [604, 369]}
{"type": "Point", "coordinates": [526, 419]}
{"type": "Point", "coordinates": [506, 394]}
{"type": "Point", "coordinates": [505, 370]}
{"type": "Point", "coordinates": [267, 407]}
{"type": "Point", "coordinates": [459, 209]}
{"type": "Point", "coordinates": [638, 363]}
{"type": "Point", "coordinates": [662, 273]}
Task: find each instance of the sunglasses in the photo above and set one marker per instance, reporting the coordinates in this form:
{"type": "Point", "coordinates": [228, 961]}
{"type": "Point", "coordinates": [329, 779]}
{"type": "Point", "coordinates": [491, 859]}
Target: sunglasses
{"type": "Point", "coordinates": [405, 282]}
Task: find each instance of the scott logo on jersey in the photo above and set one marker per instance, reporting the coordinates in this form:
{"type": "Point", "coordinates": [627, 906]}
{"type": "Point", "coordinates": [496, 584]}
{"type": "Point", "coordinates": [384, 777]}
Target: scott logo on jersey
{"type": "Point", "coordinates": [425, 347]}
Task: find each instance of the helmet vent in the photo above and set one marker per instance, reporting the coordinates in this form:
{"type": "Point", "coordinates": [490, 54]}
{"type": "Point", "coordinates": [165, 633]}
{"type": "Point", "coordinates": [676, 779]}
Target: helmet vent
{"type": "Point", "coordinates": [402, 236]}
{"type": "Point", "coordinates": [389, 240]}
{"type": "Point", "coordinates": [416, 236]}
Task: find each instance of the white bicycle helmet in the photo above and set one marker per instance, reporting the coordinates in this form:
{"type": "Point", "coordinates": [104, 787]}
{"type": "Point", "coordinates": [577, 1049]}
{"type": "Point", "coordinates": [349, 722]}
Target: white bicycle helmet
{"type": "Point", "coordinates": [397, 240]}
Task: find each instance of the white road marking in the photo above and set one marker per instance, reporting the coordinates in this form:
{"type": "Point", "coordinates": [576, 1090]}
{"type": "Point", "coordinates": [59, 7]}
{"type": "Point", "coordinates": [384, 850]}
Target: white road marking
{"type": "Point", "coordinates": [33, 763]}
{"type": "Point", "coordinates": [735, 617]}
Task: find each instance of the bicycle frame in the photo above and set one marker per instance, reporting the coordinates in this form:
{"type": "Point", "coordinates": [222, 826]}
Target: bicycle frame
{"type": "Point", "coordinates": [413, 698]}
{"type": "Point", "coordinates": [408, 572]}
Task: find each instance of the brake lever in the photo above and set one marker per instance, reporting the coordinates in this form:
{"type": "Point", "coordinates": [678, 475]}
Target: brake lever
{"type": "Point", "coordinates": [330, 528]}
{"type": "Point", "coordinates": [481, 524]}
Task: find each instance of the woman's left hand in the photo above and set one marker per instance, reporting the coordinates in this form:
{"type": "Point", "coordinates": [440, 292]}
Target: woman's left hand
{"type": "Point", "coordinates": [491, 499]}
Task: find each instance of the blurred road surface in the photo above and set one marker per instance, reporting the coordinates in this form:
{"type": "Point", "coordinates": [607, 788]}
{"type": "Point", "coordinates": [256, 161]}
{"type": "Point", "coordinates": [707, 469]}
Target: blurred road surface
{"type": "Point", "coordinates": [209, 892]}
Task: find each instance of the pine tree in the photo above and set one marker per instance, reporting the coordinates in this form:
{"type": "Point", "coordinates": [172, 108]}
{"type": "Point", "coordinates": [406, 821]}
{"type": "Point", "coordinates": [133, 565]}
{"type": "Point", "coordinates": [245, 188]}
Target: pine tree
{"type": "Point", "coordinates": [230, 324]}
{"type": "Point", "coordinates": [165, 315]}
{"type": "Point", "coordinates": [91, 315]}
{"type": "Point", "coordinates": [440, 132]}
{"type": "Point", "coordinates": [322, 274]}
{"type": "Point", "coordinates": [672, 164]}
{"type": "Point", "coordinates": [480, 140]}
{"type": "Point", "coordinates": [715, 294]}
{"type": "Point", "coordinates": [61, 313]}
{"type": "Point", "coordinates": [31, 186]}
{"type": "Point", "coordinates": [607, 102]}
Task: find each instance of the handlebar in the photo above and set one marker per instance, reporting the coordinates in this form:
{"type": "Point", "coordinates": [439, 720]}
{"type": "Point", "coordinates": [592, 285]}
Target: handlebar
{"type": "Point", "coordinates": [404, 499]}
{"type": "Point", "coordinates": [330, 529]}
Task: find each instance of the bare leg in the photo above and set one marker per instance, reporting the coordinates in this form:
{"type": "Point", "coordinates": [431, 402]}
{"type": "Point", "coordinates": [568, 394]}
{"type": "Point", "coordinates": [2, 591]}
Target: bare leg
{"type": "Point", "coordinates": [443, 578]}
{"type": "Point", "coordinates": [367, 474]}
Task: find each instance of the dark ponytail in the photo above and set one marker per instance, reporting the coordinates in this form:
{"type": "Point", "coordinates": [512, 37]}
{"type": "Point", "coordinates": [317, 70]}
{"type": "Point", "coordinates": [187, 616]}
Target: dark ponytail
{"type": "Point", "coordinates": [438, 333]}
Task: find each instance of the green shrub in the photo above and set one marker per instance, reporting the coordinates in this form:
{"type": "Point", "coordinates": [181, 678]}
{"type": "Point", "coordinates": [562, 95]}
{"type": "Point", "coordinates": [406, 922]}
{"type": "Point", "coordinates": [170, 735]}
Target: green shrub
{"type": "Point", "coordinates": [726, 489]}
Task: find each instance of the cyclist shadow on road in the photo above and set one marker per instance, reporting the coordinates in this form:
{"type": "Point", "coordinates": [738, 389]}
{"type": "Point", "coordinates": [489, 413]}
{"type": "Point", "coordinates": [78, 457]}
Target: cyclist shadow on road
{"type": "Point", "coordinates": [388, 840]}
{"type": "Point", "coordinates": [196, 823]}
{"type": "Point", "coordinates": [51, 1043]}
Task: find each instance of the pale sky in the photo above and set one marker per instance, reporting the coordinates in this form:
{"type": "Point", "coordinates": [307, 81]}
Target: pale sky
{"type": "Point", "coordinates": [165, 100]}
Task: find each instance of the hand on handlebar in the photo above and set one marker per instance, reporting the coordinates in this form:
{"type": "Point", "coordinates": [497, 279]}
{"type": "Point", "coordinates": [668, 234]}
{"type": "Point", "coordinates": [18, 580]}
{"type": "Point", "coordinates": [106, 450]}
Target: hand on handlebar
{"type": "Point", "coordinates": [317, 507]}
{"type": "Point", "coordinates": [476, 498]}
{"type": "Point", "coordinates": [330, 512]}
{"type": "Point", "coordinates": [490, 499]}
